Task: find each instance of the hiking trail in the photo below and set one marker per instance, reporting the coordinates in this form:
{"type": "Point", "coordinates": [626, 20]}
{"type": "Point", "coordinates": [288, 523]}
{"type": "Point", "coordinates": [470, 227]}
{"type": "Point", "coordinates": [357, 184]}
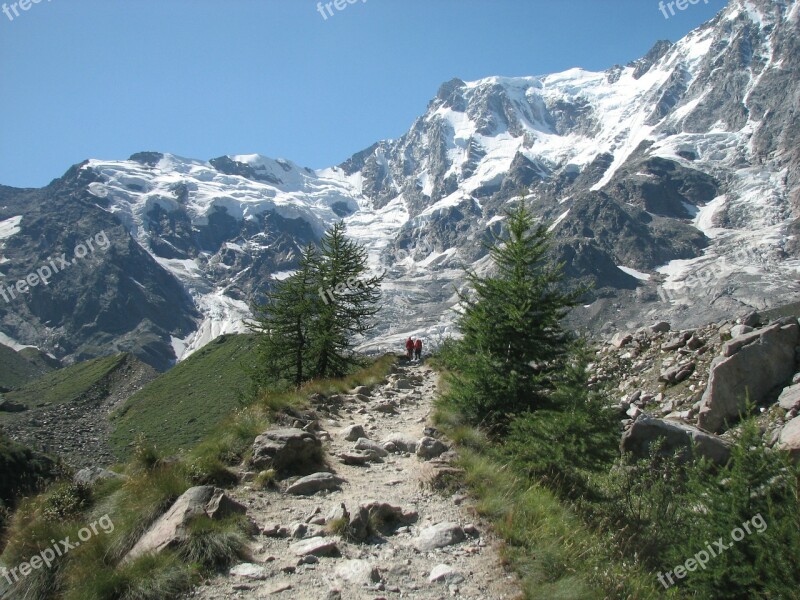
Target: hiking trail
{"type": "Point", "coordinates": [434, 547]}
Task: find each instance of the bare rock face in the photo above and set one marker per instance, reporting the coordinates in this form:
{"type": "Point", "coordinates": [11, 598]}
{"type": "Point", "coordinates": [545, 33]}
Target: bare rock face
{"type": "Point", "coordinates": [754, 364]}
{"type": "Point", "coordinates": [171, 528]}
{"type": "Point", "coordinates": [286, 450]}
{"type": "Point", "coordinates": [676, 436]}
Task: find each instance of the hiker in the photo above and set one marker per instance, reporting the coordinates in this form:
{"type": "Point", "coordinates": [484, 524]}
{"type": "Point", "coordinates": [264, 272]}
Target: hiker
{"type": "Point", "coordinates": [418, 349]}
{"type": "Point", "coordinates": [409, 348]}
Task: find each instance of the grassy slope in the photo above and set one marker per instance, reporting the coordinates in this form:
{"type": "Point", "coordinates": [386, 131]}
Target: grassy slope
{"type": "Point", "coordinates": [183, 405]}
{"type": "Point", "coordinates": [16, 370]}
{"type": "Point", "coordinates": [67, 384]}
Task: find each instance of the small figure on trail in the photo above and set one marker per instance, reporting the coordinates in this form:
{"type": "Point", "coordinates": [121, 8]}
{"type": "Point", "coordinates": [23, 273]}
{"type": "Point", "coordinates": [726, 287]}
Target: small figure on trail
{"type": "Point", "coordinates": [418, 349]}
{"type": "Point", "coordinates": [409, 348]}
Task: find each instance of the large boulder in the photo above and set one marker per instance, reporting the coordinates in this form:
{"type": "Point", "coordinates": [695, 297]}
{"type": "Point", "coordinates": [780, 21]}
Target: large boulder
{"type": "Point", "coordinates": [685, 439]}
{"type": "Point", "coordinates": [790, 397]}
{"type": "Point", "coordinates": [790, 438]}
{"type": "Point", "coordinates": [754, 364]}
{"type": "Point", "coordinates": [286, 450]}
{"type": "Point", "coordinates": [171, 529]}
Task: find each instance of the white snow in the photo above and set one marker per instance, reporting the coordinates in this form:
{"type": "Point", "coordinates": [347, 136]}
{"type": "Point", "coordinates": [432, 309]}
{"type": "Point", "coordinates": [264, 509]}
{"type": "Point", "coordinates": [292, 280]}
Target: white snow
{"type": "Point", "coordinates": [634, 273]}
{"type": "Point", "coordinates": [558, 220]}
{"type": "Point", "coordinates": [10, 227]}
{"type": "Point", "coordinates": [12, 343]}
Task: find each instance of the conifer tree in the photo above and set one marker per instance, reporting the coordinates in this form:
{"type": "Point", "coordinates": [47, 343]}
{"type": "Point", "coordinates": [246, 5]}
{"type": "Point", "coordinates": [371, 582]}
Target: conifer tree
{"type": "Point", "coordinates": [514, 344]}
{"type": "Point", "coordinates": [350, 300]}
{"type": "Point", "coordinates": [286, 322]}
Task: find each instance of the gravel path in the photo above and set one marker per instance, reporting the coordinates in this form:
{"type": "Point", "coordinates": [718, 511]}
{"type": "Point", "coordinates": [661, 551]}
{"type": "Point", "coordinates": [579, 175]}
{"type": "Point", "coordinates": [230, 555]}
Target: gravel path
{"type": "Point", "coordinates": [396, 563]}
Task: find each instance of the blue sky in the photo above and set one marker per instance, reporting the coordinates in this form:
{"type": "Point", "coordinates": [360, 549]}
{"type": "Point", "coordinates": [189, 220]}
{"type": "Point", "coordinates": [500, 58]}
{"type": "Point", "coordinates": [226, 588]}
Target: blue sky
{"type": "Point", "coordinates": [200, 78]}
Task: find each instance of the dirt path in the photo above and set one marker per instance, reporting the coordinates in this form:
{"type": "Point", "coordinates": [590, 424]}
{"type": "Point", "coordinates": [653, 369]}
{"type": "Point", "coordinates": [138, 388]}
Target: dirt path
{"type": "Point", "coordinates": [389, 565]}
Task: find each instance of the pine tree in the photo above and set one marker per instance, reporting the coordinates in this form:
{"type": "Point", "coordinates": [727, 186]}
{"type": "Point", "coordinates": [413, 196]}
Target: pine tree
{"type": "Point", "coordinates": [514, 344]}
{"type": "Point", "coordinates": [286, 322]}
{"type": "Point", "coordinates": [351, 299]}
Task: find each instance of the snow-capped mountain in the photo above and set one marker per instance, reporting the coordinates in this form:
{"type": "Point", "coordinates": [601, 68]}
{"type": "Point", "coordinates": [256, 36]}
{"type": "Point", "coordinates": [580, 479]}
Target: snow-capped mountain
{"type": "Point", "coordinates": [670, 183]}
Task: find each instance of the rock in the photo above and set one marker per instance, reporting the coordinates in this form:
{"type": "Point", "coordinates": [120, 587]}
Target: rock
{"type": "Point", "coordinates": [274, 530]}
{"type": "Point", "coordinates": [311, 484]}
{"type": "Point", "coordinates": [402, 443]}
{"type": "Point", "coordinates": [368, 445]}
{"type": "Point", "coordinates": [439, 536]}
{"type": "Point", "coordinates": [11, 407]}
{"type": "Point", "coordinates": [445, 574]}
{"type": "Point", "coordinates": [249, 571]}
{"type": "Point", "coordinates": [429, 447]}
{"type": "Point", "coordinates": [389, 408]}
{"type": "Point", "coordinates": [358, 572]}
{"type": "Point", "coordinates": [359, 457]}
{"type": "Point", "coordinates": [752, 319]}
{"type": "Point", "coordinates": [790, 397]}
{"type": "Point", "coordinates": [354, 432]}
{"type": "Point", "coordinates": [695, 343]}
{"type": "Point", "coordinates": [317, 546]}
{"type": "Point", "coordinates": [403, 384]}
{"type": "Point", "coordinates": [338, 513]}
{"type": "Point", "coordinates": [91, 475]}
{"type": "Point", "coordinates": [740, 330]}
{"type": "Point", "coordinates": [298, 530]}
{"type": "Point", "coordinates": [621, 339]}
{"type": "Point", "coordinates": [678, 373]}
{"type": "Point", "coordinates": [676, 436]}
{"type": "Point", "coordinates": [790, 439]}
{"type": "Point", "coordinates": [286, 450]}
{"type": "Point", "coordinates": [756, 364]}
{"type": "Point", "coordinates": [676, 342]}
{"type": "Point", "coordinates": [363, 390]}
{"type": "Point", "coordinates": [660, 327]}
{"type": "Point", "coordinates": [171, 528]}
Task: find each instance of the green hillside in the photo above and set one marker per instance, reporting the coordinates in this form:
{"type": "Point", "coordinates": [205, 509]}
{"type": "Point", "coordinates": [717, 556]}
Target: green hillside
{"type": "Point", "coordinates": [20, 368]}
{"type": "Point", "coordinates": [184, 404]}
{"type": "Point", "coordinates": [67, 384]}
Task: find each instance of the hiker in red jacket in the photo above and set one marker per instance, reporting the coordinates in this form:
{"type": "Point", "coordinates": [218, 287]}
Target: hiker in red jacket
{"type": "Point", "coordinates": [418, 349]}
{"type": "Point", "coordinates": [409, 348]}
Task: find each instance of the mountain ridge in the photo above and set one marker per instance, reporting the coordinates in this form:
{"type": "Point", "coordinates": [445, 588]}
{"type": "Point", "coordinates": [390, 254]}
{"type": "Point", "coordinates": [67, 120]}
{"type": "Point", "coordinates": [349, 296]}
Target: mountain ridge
{"type": "Point", "coordinates": [648, 174]}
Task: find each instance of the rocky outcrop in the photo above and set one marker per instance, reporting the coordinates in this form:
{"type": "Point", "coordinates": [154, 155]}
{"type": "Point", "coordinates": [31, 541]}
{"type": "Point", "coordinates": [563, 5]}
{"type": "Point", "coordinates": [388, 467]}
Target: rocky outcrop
{"type": "Point", "coordinates": [753, 365]}
{"type": "Point", "coordinates": [286, 450]}
{"type": "Point", "coordinates": [171, 529]}
{"type": "Point", "coordinates": [684, 439]}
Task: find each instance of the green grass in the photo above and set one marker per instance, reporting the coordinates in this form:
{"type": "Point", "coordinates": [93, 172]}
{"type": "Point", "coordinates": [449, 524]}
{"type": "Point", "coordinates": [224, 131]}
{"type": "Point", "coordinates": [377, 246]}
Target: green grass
{"type": "Point", "coordinates": [546, 541]}
{"type": "Point", "coordinates": [20, 368]}
{"type": "Point", "coordinates": [186, 403]}
{"type": "Point", "coordinates": [64, 385]}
